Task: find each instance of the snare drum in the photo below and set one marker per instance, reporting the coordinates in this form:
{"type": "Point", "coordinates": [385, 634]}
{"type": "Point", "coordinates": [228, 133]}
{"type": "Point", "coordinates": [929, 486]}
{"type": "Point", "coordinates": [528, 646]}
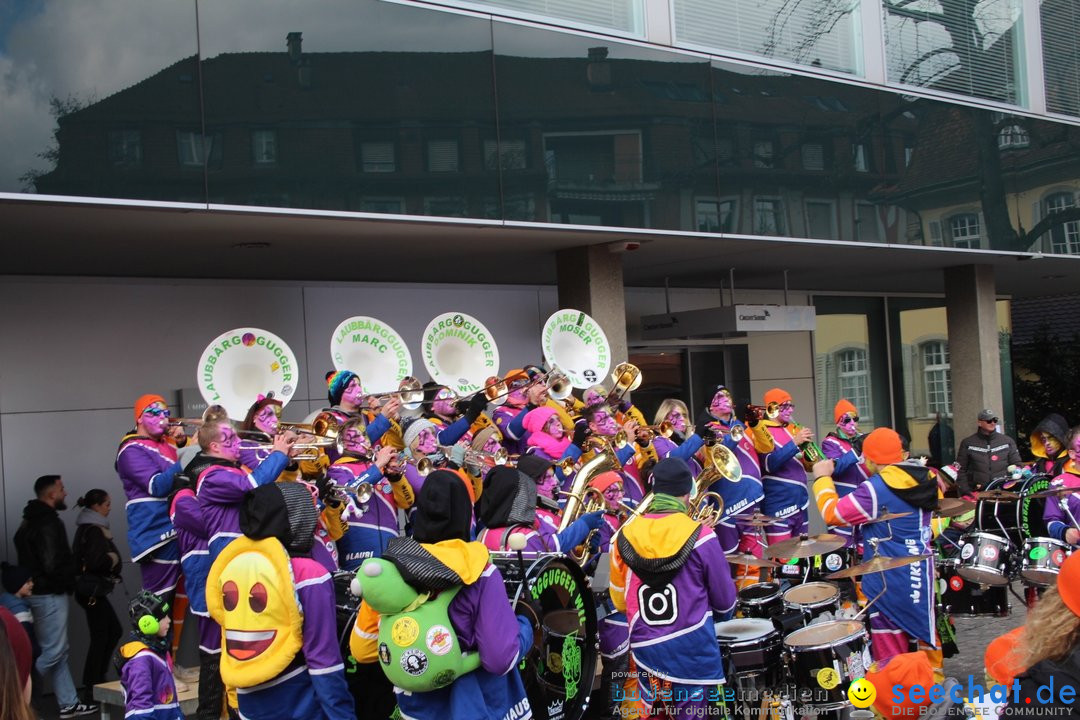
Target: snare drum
{"type": "Point", "coordinates": [750, 648]}
{"type": "Point", "coordinates": [984, 558]}
{"type": "Point", "coordinates": [1041, 560]}
{"type": "Point", "coordinates": [761, 600]}
{"type": "Point", "coordinates": [824, 660]}
{"type": "Point", "coordinates": [814, 600]}
{"type": "Point", "coordinates": [962, 598]}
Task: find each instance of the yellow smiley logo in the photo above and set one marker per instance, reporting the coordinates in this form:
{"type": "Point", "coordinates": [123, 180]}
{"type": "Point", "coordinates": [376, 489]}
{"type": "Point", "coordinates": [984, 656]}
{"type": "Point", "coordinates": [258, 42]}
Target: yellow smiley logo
{"type": "Point", "coordinates": [404, 631]}
{"type": "Point", "coordinates": [862, 693]}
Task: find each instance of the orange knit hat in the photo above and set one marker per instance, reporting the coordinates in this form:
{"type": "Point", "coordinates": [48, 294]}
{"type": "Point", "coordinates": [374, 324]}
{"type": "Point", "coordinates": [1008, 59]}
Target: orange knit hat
{"type": "Point", "coordinates": [605, 480]}
{"type": "Point", "coordinates": [844, 407]}
{"type": "Point", "coordinates": [883, 446]}
{"type": "Point", "coordinates": [1068, 583]}
{"type": "Point", "coordinates": [1005, 656]}
{"type": "Point", "coordinates": [778, 396]}
{"type": "Point", "coordinates": [146, 401]}
{"type": "Point", "coordinates": [905, 670]}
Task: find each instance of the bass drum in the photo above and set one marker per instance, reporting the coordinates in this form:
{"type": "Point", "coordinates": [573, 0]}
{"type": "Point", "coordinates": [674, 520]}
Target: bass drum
{"type": "Point", "coordinates": [558, 671]}
{"type": "Point", "coordinates": [1021, 518]}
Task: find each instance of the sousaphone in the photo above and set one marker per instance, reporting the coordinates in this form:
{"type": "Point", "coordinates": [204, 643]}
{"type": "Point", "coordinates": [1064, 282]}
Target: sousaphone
{"type": "Point", "coordinates": [239, 365]}
{"type": "Point", "coordinates": [459, 352]}
{"type": "Point", "coordinates": [373, 350]}
{"type": "Point", "coordinates": [575, 343]}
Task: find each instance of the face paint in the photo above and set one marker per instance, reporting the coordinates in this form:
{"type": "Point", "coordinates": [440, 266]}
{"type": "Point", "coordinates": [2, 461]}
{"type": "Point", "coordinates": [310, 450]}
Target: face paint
{"type": "Point", "coordinates": [786, 411]}
{"type": "Point", "coordinates": [355, 441]}
{"type": "Point", "coordinates": [492, 444]}
{"type": "Point", "coordinates": [678, 422]}
{"type": "Point", "coordinates": [155, 420]}
{"type": "Point", "coordinates": [592, 398]}
{"type": "Point", "coordinates": [1050, 443]}
{"type": "Point", "coordinates": [613, 495]}
{"type": "Point", "coordinates": [267, 420]}
{"type": "Point", "coordinates": [353, 394]}
{"type": "Point", "coordinates": [554, 427]}
{"type": "Point", "coordinates": [229, 444]}
{"type": "Point", "coordinates": [848, 425]}
{"type": "Point", "coordinates": [548, 485]}
{"type": "Point", "coordinates": [426, 442]}
{"type": "Point", "coordinates": [444, 404]}
{"type": "Point", "coordinates": [721, 404]}
{"type": "Point", "coordinates": [516, 398]}
{"type": "Point", "coordinates": [604, 424]}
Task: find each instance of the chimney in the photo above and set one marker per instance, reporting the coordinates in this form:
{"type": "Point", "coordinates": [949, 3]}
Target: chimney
{"type": "Point", "coordinates": [293, 41]}
{"type": "Point", "coordinates": [598, 71]}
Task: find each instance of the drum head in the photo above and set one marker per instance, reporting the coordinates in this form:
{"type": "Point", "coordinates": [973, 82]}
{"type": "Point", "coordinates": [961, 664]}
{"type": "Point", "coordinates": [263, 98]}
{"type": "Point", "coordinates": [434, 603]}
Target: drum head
{"type": "Point", "coordinates": [241, 364]}
{"type": "Point", "coordinates": [759, 592]}
{"type": "Point", "coordinates": [373, 350]}
{"type": "Point", "coordinates": [742, 630]}
{"type": "Point", "coordinates": [811, 593]}
{"type": "Point", "coordinates": [824, 634]}
{"type": "Point", "coordinates": [577, 345]}
{"type": "Point", "coordinates": [459, 352]}
{"type": "Point", "coordinates": [558, 671]}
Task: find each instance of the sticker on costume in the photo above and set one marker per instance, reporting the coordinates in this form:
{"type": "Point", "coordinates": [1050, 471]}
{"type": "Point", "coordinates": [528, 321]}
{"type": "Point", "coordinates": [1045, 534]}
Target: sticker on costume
{"type": "Point", "coordinates": [834, 562]}
{"type": "Point", "coordinates": [444, 678]}
{"type": "Point", "coordinates": [384, 654]}
{"type": "Point", "coordinates": [414, 662]}
{"type": "Point", "coordinates": [828, 678]}
{"type": "Point", "coordinates": [967, 551]}
{"type": "Point", "coordinates": [439, 640]}
{"type": "Point", "coordinates": [1038, 552]}
{"type": "Point", "coordinates": [404, 631]}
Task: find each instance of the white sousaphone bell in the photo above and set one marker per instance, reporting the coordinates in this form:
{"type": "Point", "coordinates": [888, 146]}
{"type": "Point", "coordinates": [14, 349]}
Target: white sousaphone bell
{"type": "Point", "coordinates": [459, 352]}
{"type": "Point", "coordinates": [575, 346]}
{"type": "Point", "coordinates": [241, 364]}
{"type": "Point", "coordinates": [374, 351]}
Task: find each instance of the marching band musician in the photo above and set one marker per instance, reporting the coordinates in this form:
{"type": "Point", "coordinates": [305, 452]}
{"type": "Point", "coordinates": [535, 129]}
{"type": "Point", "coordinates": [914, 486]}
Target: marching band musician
{"type": "Point", "coordinates": [507, 507]}
{"type": "Point", "coordinates": [453, 419]}
{"type": "Point", "coordinates": [674, 412]}
{"type": "Point", "coordinates": [839, 447]}
{"type": "Point", "coordinates": [524, 394]}
{"type": "Point", "coordinates": [346, 395]}
{"type": "Point", "coordinates": [147, 465]}
{"type": "Point", "coordinates": [1049, 445]}
{"type": "Point", "coordinates": [600, 423]}
{"type": "Point", "coordinates": [1062, 513]}
{"type": "Point", "coordinates": [421, 441]}
{"type": "Point", "coordinates": [904, 614]}
{"type": "Point", "coordinates": [372, 524]}
{"type": "Point", "coordinates": [223, 484]}
{"type": "Point", "coordinates": [542, 472]}
{"type": "Point", "coordinates": [610, 485]}
{"type": "Point", "coordinates": [783, 474]}
{"type": "Point", "coordinates": [669, 574]}
{"type": "Point", "coordinates": [263, 416]}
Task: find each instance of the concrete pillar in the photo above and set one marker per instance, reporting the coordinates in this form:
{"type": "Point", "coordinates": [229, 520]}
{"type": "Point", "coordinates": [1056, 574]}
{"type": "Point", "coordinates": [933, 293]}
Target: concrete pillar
{"type": "Point", "coordinates": [591, 280]}
{"type": "Point", "coordinates": [974, 355]}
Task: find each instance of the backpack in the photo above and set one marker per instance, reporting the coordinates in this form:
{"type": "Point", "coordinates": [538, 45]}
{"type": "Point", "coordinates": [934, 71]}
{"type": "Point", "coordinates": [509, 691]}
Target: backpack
{"type": "Point", "coordinates": [417, 646]}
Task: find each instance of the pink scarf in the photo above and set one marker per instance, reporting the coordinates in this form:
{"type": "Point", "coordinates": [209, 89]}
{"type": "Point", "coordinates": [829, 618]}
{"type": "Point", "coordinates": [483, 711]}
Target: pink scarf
{"type": "Point", "coordinates": [534, 422]}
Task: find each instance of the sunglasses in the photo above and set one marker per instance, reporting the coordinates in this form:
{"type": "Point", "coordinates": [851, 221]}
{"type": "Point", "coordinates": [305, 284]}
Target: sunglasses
{"type": "Point", "coordinates": [845, 419]}
{"type": "Point", "coordinates": [991, 420]}
{"type": "Point", "coordinates": [156, 412]}
{"type": "Point", "coordinates": [613, 490]}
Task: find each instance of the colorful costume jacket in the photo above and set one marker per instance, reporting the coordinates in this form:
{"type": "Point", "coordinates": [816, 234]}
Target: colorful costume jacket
{"type": "Point", "coordinates": [1057, 520]}
{"type": "Point", "coordinates": [783, 477]}
{"type": "Point", "coordinates": [192, 540]}
{"type": "Point", "coordinates": [370, 525]}
{"type": "Point", "coordinates": [902, 488]}
{"type": "Point", "coordinates": [147, 469]}
{"type": "Point", "coordinates": [221, 488]}
{"type": "Point", "coordinates": [149, 689]}
{"type": "Point", "coordinates": [850, 472]}
{"type": "Point", "coordinates": [671, 615]}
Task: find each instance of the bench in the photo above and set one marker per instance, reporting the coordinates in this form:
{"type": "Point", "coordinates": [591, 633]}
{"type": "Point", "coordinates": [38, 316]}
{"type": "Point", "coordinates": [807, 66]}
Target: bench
{"type": "Point", "coordinates": [111, 697]}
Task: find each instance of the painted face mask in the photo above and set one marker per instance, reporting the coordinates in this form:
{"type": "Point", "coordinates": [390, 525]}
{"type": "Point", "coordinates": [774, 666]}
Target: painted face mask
{"type": "Point", "coordinates": [721, 404]}
{"type": "Point", "coordinates": [548, 485]}
{"type": "Point", "coordinates": [613, 495]}
{"type": "Point", "coordinates": [1050, 444]}
{"type": "Point", "coordinates": [849, 425]}
{"type": "Point", "coordinates": [266, 420]}
{"type": "Point", "coordinates": [155, 419]}
{"type": "Point", "coordinates": [426, 442]}
{"type": "Point", "coordinates": [786, 411]}
{"type": "Point", "coordinates": [444, 403]}
{"type": "Point", "coordinates": [604, 424]}
{"type": "Point", "coordinates": [554, 427]}
{"type": "Point", "coordinates": [678, 422]}
{"type": "Point", "coordinates": [353, 394]}
{"type": "Point", "coordinates": [229, 444]}
{"type": "Point", "coordinates": [356, 441]}
{"type": "Point", "coordinates": [492, 444]}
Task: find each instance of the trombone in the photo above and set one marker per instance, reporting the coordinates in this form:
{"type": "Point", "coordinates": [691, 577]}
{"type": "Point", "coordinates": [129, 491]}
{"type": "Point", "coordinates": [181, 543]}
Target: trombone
{"type": "Point", "coordinates": [624, 378]}
{"type": "Point", "coordinates": [410, 392]}
{"type": "Point", "coordinates": [481, 459]}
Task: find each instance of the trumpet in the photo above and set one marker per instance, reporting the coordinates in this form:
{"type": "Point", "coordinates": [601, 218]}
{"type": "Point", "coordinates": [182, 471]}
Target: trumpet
{"type": "Point", "coordinates": [481, 459]}
{"type": "Point", "coordinates": [423, 466]}
{"type": "Point", "coordinates": [663, 429]}
{"type": "Point", "coordinates": [363, 492]}
{"type": "Point", "coordinates": [766, 412]}
{"type": "Point", "coordinates": [312, 450]}
{"type": "Point", "coordinates": [735, 432]}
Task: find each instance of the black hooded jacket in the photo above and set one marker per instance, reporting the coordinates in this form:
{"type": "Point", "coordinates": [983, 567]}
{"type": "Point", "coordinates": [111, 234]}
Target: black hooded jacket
{"type": "Point", "coordinates": [42, 545]}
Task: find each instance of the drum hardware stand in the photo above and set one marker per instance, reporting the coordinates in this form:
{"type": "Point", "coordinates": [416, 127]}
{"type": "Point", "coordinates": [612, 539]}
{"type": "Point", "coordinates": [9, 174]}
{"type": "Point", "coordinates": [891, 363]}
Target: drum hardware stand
{"type": "Point", "coordinates": [1064, 503]}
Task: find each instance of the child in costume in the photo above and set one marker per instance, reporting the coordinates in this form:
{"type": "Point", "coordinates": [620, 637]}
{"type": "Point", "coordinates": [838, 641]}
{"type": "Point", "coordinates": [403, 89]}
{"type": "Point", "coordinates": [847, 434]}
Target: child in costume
{"type": "Point", "coordinates": [145, 664]}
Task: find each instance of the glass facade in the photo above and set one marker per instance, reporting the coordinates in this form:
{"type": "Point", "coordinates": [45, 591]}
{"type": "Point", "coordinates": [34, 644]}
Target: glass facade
{"type": "Point", "coordinates": [368, 106]}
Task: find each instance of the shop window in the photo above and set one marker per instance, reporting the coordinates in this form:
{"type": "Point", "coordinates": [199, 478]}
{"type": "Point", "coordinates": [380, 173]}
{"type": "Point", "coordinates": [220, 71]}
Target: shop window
{"type": "Point", "coordinates": [937, 377]}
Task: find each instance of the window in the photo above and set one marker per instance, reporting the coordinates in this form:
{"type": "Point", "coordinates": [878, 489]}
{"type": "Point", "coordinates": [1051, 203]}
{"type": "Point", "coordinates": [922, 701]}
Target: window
{"type": "Point", "coordinates": [768, 216]}
{"type": "Point", "coordinates": [763, 153]}
{"type": "Point", "coordinates": [813, 156]}
{"type": "Point", "coordinates": [264, 147]}
{"type": "Point", "coordinates": [442, 155]}
{"type": "Point", "coordinates": [715, 216]}
{"type": "Point", "coordinates": [1064, 238]}
{"type": "Point", "coordinates": [510, 156]}
{"type": "Point", "coordinates": [821, 220]}
{"type": "Point", "coordinates": [1061, 56]}
{"type": "Point", "coordinates": [860, 157]}
{"type": "Point", "coordinates": [853, 376]}
{"type": "Point", "coordinates": [867, 226]}
{"type": "Point", "coordinates": [937, 376]}
{"type": "Point", "coordinates": [193, 148]}
{"type": "Point", "coordinates": [725, 151]}
{"type": "Point", "coordinates": [377, 157]}
{"type": "Point", "coordinates": [964, 230]}
{"type": "Point", "coordinates": [125, 147]}
{"type": "Point", "coordinates": [1013, 137]}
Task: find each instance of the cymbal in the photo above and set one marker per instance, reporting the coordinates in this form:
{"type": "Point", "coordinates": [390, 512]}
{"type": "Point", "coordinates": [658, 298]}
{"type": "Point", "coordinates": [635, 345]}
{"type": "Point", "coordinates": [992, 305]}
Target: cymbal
{"type": "Point", "coordinates": [887, 517]}
{"type": "Point", "coordinates": [747, 559]}
{"type": "Point", "coordinates": [997, 495]}
{"type": "Point", "coordinates": [877, 564]}
{"type": "Point", "coordinates": [758, 519]}
{"type": "Point", "coordinates": [953, 507]}
{"type": "Point", "coordinates": [804, 547]}
{"type": "Point", "coordinates": [1054, 492]}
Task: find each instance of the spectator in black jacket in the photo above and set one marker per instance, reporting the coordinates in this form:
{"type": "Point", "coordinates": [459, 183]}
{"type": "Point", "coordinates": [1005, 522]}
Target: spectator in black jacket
{"type": "Point", "coordinates": [42, 544]}
{"type": "Point", "coordinates": [98, 561]}
{"type": "Point", "coordinates": [985, 455]}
